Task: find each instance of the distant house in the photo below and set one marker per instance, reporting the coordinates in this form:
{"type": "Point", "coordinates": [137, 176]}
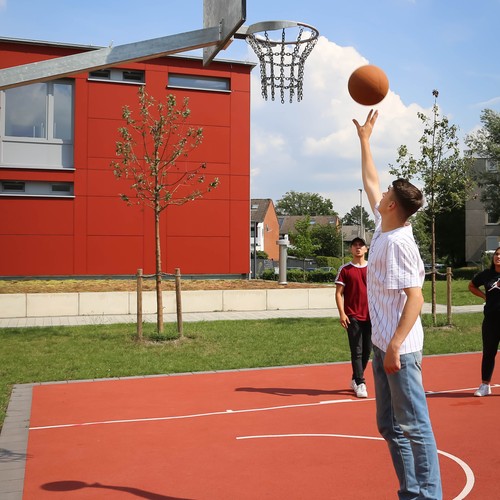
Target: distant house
{"type": "Point", "coordinates": [351, 232]}
{"type": "Point", "coordinates": [287, 223]}
{"type": "Point", "coordinates": [264, 227]}
{"type": "Point", "coordinates": [287, 227]}
{"type": "Point", "coordinates": [482, 231]}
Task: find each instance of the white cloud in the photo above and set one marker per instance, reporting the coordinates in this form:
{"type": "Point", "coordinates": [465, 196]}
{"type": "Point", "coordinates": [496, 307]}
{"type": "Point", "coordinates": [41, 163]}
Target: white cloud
{"type": "Point", "coordinates": [312, 145]}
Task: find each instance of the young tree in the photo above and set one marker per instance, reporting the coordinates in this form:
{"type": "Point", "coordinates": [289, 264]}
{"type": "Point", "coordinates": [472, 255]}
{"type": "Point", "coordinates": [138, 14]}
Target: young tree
{"type": "Point", "coordinates": [421, 231]}
{"type": "Point", "coordinates": [302, 240]}
{"type": "Point", "coordinates": [327, 239]}
{"type": "Point", "coordinates": [294, 203]}
{"type": "Point", "coordinates": [445, 174]}
{"type": "Point", "coordinates": [352, 218]}
{"type": "Point", "coordinates": [152, 151]}
{"type": "Point", "coordinates": [485, 143]}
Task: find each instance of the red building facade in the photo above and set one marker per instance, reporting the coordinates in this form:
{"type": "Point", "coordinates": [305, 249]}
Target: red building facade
{"type": "Point", "coordinates": [60, 209]}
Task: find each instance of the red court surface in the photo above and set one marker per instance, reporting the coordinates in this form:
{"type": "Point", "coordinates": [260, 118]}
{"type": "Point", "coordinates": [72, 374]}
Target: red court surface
{"type": "Point", "coordinates": [280, 433]}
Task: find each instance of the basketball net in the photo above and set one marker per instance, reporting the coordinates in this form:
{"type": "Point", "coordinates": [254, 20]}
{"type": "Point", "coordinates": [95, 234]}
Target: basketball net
{"type": "Point", "coordinates": [282, 61]}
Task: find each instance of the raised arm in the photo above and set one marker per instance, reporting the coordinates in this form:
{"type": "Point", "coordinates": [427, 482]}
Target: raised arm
{"type": "Point", "coordinates": [371, 183]}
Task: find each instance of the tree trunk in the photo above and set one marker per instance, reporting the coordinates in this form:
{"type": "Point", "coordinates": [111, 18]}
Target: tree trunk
{"type": "Point", "coordinates": [433, 269]}
{"type": "Point", "coordinates": [159, 296]}
{"type": "Point", "coordinates": [178, 301]}
{"type": "Point", "coordinates": [139, 304]}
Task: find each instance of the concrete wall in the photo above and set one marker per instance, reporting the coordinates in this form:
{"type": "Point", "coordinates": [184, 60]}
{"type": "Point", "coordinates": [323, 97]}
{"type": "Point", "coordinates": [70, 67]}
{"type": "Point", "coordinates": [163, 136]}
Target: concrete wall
{"type": "Point", "coordinates": [118, 303]}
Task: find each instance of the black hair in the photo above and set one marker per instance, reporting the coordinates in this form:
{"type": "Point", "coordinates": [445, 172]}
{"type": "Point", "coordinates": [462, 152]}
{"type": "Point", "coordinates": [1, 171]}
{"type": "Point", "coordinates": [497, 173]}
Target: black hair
{"type": "Point", "coordinates": [492, 267]}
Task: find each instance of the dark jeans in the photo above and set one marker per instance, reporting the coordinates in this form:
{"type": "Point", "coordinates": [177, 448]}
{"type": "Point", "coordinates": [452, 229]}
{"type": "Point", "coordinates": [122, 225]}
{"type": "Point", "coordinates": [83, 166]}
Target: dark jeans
{"type": "Point", "coordinates": [359, 334]}
{"type": "Point", "coordinates": [491, 339]}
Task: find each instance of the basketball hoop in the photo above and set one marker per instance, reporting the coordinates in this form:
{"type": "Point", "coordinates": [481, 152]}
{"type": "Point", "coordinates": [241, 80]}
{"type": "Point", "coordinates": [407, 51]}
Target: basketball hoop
{"type": "Point", "coordinates": [282, 60]}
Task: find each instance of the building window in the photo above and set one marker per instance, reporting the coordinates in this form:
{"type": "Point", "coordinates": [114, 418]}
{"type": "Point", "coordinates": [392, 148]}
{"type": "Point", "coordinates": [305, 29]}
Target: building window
{"type": "Point", "coordinates": [118, 75]}
{"type": "Point", "coordinates": [492, 243]}
{"type": "Point", "coordinates": [41, 110]}
{"type": "Point", "coordinates": [36, 188]}
{"type": "Point", "coordinates": [490, 219]}
{"type": "Point", "coordinates": [36, 125]}
{"type": "Point", "coordinates": [13, 186]}
{"type": "Point", "coordinates": [491, 166]}
{"type": "Point", "coordinates": [199, 82]}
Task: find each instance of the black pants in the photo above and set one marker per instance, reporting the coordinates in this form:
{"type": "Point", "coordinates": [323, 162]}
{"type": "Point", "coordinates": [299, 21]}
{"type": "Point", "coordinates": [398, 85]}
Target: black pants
{"type": "Point", "coordinates": [360, 343]}
{"type": "Point", "coordinates": [491, 339]}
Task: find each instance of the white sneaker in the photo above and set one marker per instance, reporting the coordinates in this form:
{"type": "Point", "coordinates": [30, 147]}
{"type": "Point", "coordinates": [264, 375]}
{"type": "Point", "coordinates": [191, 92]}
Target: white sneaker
{"type": "Point", "coordinates": [354, 386]}
{"type": "Point", "coordinates": [361, 391]}
{"type": "Point", "coordinates": [484, 390]}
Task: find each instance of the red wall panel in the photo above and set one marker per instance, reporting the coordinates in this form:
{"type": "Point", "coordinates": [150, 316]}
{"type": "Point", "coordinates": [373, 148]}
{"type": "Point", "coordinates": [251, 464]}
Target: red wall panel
{"type": "Point", "coordinates": [36, 255]}
{"type": "Point", "coordinates": [109, 216]}
{"type": "Point", "coordinates": [34, 216]}
{"type": "Point", "coordinates": [102, 137]}
{"type": "Point", "coordinates": [197, 255]}
{"type": "Point", "coordinates": [98, 234]}
{"type": "Point", "coordinates": [100, 105]}
{"type": "Point", "coordinates": [202, 218]}
{"type": "Point", "coordinates": [215, 148]}
{"type": "Point", "coordinates": [119, 255]}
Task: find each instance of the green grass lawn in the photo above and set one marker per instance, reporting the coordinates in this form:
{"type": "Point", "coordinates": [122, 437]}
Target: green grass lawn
{"type": "Point", "coordinates": [460, 295]}
{"type": "Point", "coordinates": [102, 351]}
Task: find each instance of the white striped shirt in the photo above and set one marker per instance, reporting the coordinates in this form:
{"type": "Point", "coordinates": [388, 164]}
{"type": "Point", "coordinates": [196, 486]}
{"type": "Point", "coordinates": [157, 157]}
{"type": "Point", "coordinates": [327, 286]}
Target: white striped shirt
{"type": "Point", "coordinates": [394, 263]}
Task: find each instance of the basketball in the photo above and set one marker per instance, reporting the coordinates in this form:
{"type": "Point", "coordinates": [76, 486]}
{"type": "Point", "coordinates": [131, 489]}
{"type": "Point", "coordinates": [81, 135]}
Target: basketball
{"type": "Point", "coordinates": [368, 85]}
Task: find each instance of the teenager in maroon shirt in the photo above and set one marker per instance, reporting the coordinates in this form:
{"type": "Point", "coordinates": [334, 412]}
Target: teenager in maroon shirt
{"type": "Point", "coordinates": [352, 303]}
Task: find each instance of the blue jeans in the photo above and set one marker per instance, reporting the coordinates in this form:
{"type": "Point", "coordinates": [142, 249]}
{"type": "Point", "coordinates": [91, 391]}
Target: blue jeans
{"type": "Point", "coordinates": [403, 421]}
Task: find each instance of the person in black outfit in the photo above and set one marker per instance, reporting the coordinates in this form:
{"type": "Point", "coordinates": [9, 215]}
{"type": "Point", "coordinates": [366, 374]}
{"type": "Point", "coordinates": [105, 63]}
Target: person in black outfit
{"type": "Point", "coordinates": [490, 280]}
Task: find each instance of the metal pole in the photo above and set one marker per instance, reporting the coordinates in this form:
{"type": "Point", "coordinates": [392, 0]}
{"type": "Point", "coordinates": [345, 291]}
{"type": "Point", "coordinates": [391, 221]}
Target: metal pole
{"type": "Point", "coordinates": [283, 245]}
{"type": "Point", "coordinates": [342, 239]}
{"type": "Point", "coordinates": [360, 213]}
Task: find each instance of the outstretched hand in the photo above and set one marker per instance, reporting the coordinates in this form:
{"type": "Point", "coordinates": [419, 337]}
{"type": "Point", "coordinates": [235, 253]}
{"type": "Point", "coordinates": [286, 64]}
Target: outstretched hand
{"type": "Point", "coordinates": [365, 130]}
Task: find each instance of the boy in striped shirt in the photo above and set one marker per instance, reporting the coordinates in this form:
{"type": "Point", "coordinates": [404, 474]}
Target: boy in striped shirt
{"type": "Point", "coordinates": [394, 281]}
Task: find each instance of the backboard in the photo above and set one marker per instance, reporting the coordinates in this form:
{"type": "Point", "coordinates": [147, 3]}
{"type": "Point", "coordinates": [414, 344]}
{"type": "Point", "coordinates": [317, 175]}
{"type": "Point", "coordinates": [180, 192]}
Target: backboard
{"type": "Point", "coordinates": [228, 15]}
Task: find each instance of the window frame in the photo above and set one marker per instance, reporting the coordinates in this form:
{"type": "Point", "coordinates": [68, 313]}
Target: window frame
{"type": "Point", "coordinates": [38, 189]}
{"type": "Point", "coordinates": [117, 75]}
{"type": "Point", "coordinates": [22, 151]}
{"type": "Point", "coordinates": [191, 79]}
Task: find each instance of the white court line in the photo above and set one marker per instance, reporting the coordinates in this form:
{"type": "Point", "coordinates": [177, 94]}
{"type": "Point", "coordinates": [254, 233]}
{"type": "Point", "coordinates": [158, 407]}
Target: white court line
{"type": "Point", "coordinates": [225, 412]}
{"type": "Point", "coordinates": [468, 472]}
{"type": "Point", "coordinates": [458, 390]}
{"type": "Point", "coordinates": [195, 415]}
{"type": "Point", "coordinates": [469, 475]}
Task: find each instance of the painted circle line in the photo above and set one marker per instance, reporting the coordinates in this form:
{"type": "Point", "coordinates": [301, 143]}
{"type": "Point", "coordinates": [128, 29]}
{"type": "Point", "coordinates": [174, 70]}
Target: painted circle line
{"type": "Point", "coordinates": [469, 475]}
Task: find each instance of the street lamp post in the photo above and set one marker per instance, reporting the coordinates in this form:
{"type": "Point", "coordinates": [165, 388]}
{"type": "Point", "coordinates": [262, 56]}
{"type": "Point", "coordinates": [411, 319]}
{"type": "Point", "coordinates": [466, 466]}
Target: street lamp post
{"type": "Point", "coordinates": [360, 213]}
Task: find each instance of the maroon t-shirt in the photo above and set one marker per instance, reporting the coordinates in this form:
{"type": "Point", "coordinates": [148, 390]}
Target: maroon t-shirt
{"type": "Point", "coordinates": [353, 278]}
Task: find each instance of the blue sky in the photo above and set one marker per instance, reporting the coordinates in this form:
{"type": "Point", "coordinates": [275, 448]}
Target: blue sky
{"type": "Point", "coordinates": [448, 45]}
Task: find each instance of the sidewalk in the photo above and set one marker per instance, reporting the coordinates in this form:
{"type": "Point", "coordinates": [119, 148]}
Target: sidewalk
{"type": "Point", "coordinates": [200, 316]}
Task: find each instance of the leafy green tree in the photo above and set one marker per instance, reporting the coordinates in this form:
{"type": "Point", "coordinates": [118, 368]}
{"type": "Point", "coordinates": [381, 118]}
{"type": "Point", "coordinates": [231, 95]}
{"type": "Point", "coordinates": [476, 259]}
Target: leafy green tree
{"type": "Point", "coordinates": [327, 239]}
{"type": "Point", "coordinates": [151, 151]}
{"type": "Point", "coordinates": [485, 143]}
{"type": "Point", "coordinates": [445, 174]}
{"type": "Point", "coordinates": [450, 236]}
{"type": "Point", "coordinates": [302, 240]}
{"type": "Point", "coordinates": [421, 225]}
{"type": "Point", "coordinates": [294, 203]}
{"type": "Point", "coordinates": [352, 218]}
